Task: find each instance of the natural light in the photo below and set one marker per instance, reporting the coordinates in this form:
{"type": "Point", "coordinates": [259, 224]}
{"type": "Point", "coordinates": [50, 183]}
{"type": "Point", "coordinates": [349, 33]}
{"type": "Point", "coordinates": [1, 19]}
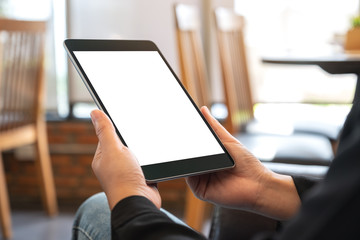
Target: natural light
{"type": "Point", "coordinates": [303, 28]}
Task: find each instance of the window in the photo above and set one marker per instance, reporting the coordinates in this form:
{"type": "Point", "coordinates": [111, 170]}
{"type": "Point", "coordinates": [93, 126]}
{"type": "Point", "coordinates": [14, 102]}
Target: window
{"type": "Point", "coordinates": [301, 27]}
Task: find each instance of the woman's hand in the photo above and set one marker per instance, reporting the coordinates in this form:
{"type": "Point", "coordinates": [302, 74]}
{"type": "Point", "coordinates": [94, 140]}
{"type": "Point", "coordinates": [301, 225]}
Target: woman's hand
{"type": "Point", "coordinates": [116, 168]}
{"type": "Point", "coordinates": [249, 185]}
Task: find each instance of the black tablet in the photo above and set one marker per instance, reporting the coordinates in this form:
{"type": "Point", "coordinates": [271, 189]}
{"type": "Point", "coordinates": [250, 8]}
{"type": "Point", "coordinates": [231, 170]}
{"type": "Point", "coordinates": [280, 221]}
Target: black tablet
{"type": "Point", "coordinates": [153, 114]}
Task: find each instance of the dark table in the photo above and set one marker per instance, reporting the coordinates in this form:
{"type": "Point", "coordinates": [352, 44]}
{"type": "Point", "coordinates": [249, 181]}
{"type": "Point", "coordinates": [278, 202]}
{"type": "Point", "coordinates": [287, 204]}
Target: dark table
{"type": "Point", "coordinates": [337, 63]}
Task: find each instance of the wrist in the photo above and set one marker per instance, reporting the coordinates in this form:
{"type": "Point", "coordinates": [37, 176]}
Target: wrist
{"type": "Point", "coordinates": [115, 196]}
{"type": "Point", "coordinates": [277, 197]}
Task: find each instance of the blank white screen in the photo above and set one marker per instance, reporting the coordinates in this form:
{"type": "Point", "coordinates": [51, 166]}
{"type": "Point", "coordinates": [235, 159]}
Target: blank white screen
{"type": "Point", "coordinates": [151, 111]}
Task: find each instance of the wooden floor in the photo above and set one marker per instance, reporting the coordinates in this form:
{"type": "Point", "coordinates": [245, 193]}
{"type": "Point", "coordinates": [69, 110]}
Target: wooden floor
{"type": "Point", "coordinates": [36, 225]}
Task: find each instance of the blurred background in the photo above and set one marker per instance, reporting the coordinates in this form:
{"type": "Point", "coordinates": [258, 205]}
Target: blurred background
{"type": "Point", "coordinates": [279, 27]}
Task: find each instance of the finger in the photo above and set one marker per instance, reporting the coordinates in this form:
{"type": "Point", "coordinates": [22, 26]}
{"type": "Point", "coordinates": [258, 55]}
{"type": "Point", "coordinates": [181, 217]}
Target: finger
{"type": "Point", "coordinates": [220, 131]}
{"type": "Point", "coordinates": [97, 156]}
{"type": "Point", "coordinates": [104, 129]}
{"type": "Point", "coordinates": [192, 181]}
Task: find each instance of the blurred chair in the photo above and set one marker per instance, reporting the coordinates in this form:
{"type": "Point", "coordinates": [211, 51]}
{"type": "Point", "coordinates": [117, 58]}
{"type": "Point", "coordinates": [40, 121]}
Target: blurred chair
{"type": "Point", "coordinates": [191, 55]}
{"type": "Point", "coordinates": [21, 106]}
{"type": "Point", "coordinates": [299, 147]}
{"type": "Point", "coordinates": [238, 224]}
{"type": "Point", "coordinates": [230, 33]}
{"type": "Point", "coordinates": [194, 78]}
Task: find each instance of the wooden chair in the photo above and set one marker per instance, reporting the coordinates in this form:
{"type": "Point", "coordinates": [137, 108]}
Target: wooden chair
{"type": "Point", "coordinates": [194, 78]}
{"type": "Point", "coordinates": [235, 71]}
{"type": "Point", "coordinates": [191, 56]}
{"type": "Point", "coordinates": [299, 148]}
{"type": "Point", "coordinates": [21, 106]}
{"type": "Point", "coordinates": [233, 57]}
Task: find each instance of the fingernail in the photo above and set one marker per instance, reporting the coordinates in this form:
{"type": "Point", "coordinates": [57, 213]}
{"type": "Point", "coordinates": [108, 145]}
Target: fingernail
{"type": "Point", "coordinates": [206, 109]}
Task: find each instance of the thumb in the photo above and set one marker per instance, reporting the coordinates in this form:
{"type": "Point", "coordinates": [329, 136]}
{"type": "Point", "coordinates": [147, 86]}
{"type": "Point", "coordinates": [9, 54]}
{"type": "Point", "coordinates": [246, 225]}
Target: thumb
{"type": "Point", "coordinates": [220, 131]}
{"type": "Point", "coordinates": [104, 129]}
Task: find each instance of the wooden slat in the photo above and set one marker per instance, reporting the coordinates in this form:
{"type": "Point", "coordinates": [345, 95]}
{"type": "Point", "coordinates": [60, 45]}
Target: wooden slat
{"type": "Point", "coordinates": [4, 204]}
{"type": "Point", "coordinates": [194, 211]}
{"type": "Point", "coordinates": [191, 56]}
{"type": "Point", "coordinates": [232, 51]}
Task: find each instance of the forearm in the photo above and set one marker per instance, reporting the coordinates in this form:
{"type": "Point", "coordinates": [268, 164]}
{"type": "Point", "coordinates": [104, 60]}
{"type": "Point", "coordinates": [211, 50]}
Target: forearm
{"type": "Point", "coordinates": [277, 197]}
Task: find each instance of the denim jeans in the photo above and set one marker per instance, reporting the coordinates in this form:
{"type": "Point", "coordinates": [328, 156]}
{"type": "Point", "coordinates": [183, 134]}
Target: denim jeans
{"type": "Point", "coordinates": [93, 219]}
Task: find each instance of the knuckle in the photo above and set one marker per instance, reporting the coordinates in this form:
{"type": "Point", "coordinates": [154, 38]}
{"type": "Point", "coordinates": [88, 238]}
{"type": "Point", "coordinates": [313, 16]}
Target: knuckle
{"type": "Point", "coordinates": [100, 130]}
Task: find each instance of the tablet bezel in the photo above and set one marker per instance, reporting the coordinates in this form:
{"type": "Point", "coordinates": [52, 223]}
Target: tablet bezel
{"type": "Point", "coordinates": [159, 171]}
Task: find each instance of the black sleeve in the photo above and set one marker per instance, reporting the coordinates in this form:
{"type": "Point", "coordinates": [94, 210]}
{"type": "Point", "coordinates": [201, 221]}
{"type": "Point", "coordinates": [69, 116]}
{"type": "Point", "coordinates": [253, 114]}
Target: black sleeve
{"type": "Point", "coordinates": [136, 217]}
{"type": "Point", "coordinates": [304, 184]}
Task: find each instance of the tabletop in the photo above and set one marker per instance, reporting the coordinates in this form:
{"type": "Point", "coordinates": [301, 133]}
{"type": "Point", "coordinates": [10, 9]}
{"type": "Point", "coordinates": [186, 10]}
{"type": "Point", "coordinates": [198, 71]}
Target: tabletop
{"type": "Point", "coordinates": [333, 63]}
{"type": "Point", "coordinates": [336, 63]}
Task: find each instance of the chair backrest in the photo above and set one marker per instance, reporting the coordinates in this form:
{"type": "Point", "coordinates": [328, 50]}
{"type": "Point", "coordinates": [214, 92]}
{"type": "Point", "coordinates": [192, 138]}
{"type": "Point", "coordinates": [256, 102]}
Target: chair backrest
{"type": "Point", "coordinates": [237, 88]}
{"type": "Point", "coordinates": [191, 55]}
{"type": "Point", "coordinates": [21, 72]}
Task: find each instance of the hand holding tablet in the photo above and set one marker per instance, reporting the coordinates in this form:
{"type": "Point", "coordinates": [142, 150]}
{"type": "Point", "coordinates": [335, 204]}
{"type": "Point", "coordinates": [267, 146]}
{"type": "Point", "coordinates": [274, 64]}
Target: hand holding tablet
{"type": "Point", "coordinates": [152, 113]}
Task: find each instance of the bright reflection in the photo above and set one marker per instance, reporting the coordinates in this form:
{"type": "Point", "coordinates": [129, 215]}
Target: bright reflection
{"type": "Point", "coordinates": [83, 110]}
{"type": "Point", "coordinates": [300, 115]}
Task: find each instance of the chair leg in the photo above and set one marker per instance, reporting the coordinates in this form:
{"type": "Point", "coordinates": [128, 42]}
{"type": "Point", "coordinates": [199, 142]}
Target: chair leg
{"type": "Point", "coordinates": [45, 171]}
{"type": "Point", "coordinates": [194, 211]}
{"type": "Point", "coordinates": [4, 204]}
